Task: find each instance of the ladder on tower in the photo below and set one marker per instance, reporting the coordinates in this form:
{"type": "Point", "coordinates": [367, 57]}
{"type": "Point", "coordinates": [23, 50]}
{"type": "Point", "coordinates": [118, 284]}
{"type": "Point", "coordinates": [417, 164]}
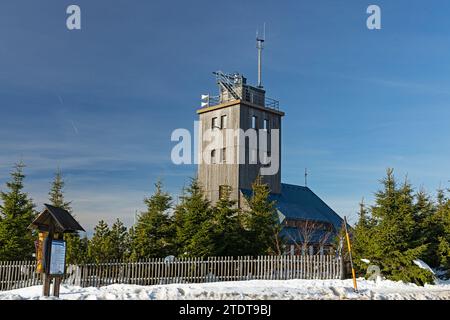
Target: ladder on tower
{"type": "Point", "coordinates": [227, 82]}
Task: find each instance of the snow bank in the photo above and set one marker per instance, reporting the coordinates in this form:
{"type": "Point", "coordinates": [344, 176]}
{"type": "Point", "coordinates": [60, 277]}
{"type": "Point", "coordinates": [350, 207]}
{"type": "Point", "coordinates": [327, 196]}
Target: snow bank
{"type": "Point", "coordinates": [246, 290]}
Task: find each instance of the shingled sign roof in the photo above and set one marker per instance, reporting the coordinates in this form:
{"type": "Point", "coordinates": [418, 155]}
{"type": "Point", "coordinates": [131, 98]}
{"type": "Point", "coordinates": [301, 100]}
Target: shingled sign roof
{"type": "Point", "coordinates": [60, 218]}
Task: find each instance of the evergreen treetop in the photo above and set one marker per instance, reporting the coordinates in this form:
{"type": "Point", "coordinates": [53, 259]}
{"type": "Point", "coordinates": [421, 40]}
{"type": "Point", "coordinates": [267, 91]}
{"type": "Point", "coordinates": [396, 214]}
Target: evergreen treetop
{"type": "Point", "coordinates": [193, 222]}
{"type": "Point", "coordinates": [153, 234]}
{"type": "Point", "coordinates": [389, 237]}
{"type": "Point", "coordinates": [56, 194]}
{"type": "Point", "coordinates": [16, 214]}
{"type": "Point", "coordinates": [228, 233]}
{"type": "Point", "coordinates": [261, 221]}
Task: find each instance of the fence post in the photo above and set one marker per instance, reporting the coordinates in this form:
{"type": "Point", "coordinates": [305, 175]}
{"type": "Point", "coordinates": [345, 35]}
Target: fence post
{"type": "Point", "coordinates": [342, 267]}
{"type": "Point", "coordinates": [18, 274]}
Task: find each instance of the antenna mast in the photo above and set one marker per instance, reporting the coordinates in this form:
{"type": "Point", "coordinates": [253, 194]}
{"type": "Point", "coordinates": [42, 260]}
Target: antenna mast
{"type": "Point", "coordinates": [260, 47]}
{"type": "Point", "coordinates": [306, 177]}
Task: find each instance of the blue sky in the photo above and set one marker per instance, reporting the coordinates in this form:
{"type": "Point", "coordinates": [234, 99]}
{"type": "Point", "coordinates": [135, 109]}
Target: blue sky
{"type": "Point", "coordinates": [101, 103]}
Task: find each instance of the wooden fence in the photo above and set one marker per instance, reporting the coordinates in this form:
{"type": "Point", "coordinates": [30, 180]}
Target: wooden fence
{"type": "Point", "coordinates": [19, 274]}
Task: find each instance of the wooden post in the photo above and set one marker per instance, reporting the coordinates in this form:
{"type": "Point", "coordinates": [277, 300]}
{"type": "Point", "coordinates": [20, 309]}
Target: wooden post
{"type": "Point", "coordinates": [56, 286]}
{"type": "Point", "coordinates": [57, 280]}
{"type": "Point", "coordinates": [342, 267]}
{"type": "Point", "coordinates": [46, 280]}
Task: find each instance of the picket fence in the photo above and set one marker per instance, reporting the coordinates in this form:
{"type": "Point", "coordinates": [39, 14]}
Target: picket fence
{"type": "Point", "coordinates": [20, 274]}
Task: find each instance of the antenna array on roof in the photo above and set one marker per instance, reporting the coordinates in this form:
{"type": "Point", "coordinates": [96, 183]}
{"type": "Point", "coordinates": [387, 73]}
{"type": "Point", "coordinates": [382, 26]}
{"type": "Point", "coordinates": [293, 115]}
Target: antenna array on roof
{"type": "Point", "coordinates": [260, 46]}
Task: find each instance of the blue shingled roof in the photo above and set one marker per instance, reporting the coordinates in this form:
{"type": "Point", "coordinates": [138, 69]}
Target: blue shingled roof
{"type": "Point", "coordinates": [300, 203]}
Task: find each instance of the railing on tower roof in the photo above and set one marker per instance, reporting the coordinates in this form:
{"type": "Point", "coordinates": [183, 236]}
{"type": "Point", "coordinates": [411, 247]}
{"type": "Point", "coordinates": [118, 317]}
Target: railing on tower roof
{"type": "Point", "coordinates": [269, 103]}
{"type": "Point", "coordinates": [233, 87]}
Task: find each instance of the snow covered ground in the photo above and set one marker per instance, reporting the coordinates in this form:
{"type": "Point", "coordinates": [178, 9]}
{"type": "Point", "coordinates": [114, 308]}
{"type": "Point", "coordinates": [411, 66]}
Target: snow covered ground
{"type": "Point", "coordinates": [245, 290]}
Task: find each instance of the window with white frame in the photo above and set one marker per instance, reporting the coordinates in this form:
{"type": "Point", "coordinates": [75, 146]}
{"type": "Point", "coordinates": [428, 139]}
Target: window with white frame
{"type": "Point", "coordinates": [223, 121]}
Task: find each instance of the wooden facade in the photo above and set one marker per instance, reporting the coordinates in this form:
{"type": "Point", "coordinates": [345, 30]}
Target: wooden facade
{"type": "Point", "coordinates": [245, 107]}
{"type": "Point", "coordinates": [238, 115]}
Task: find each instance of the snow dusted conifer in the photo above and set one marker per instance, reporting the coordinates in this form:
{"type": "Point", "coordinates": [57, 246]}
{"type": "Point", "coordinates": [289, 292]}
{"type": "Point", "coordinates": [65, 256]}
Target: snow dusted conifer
{"type": "Point", "coordinates": [390, 242]}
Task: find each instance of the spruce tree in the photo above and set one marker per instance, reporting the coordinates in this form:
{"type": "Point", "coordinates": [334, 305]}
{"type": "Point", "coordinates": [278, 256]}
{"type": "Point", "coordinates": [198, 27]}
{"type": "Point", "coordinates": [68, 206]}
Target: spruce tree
{"type": "Point", "coordinates": [193, 220]}
{"type": "Point", "coordinates": [441, 198]}
{"type": "Point", "coordinates": [393, 245]}
{"type": "Point", "coordinates": [427, 230]}
{"type": "Point", "coordinates": [119, 241]}
{"type": "Point", "coordinates": [424, 208]}
{"type": "Point", "coordinates": [16, 214]}
{"type": "Point", "coordinates": [261, 222]}
{"type": "Point", "coordinates": [362, 234]}
{"type": "Point", "coordinates": [441, 230]}
{"type": "Point", "coordinates": [76, 249]}
{"type": "Point", "coordinates": [228, 233]}
{"type": "Point", "coordinates": [154, 231]}
{"type": "Point", "coordinates": [100, 247]}
{"type": "Point", "coordinates": [56, 194]}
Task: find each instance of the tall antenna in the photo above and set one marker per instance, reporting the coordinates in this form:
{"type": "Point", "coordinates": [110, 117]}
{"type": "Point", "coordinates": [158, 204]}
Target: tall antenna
{"type": "Point", "coordinates": [306, 177]}
{"type": "Point", "coordinates": [260, 47]}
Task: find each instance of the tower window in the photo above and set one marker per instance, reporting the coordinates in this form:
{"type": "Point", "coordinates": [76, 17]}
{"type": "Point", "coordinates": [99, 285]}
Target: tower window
{"type": "Point", "coordinates": [223, 155]}
{"type": "Point", "coordinates": [213, 156]}
{"type": "Point", "coordinates": [254, 122]}
{"type": "Point", "coordinates": [223, 122]}
{"type": "Point", "coordinates": [214, 123]}
{"type": "Point", "coordinates": [266, 124]}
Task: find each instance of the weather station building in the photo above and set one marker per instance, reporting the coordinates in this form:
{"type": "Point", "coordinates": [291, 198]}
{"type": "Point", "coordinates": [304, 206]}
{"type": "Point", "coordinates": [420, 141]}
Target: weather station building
{"type": "Point", "coordinates": [309, 224]}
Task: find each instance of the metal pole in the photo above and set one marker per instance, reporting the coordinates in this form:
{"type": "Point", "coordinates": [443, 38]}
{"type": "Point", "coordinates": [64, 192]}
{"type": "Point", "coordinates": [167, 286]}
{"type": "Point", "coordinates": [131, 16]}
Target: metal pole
{"type": "Point", "coordinates": [259, 46]}
{"type": "Point", "coordinates": [355, 286]}
{"type": "Point", "coordinates": [259, 66]}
